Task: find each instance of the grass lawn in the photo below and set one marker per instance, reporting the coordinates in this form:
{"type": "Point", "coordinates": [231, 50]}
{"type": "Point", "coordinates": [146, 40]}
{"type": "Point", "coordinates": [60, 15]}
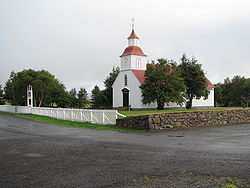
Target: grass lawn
{"type": "Point", "coordinates": [148, 112]}
{"type": "Point", "coordinates": [53, 121]}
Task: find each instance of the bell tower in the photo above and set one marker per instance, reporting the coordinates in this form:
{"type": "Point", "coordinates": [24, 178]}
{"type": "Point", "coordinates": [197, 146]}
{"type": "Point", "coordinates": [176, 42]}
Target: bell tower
{"type": "Point", "coordinates": [133, 57]}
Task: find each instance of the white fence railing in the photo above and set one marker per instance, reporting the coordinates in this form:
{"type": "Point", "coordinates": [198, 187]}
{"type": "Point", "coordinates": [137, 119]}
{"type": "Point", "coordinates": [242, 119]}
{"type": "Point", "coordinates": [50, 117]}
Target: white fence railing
{"type": "Point", "coordinates": [79, 115]}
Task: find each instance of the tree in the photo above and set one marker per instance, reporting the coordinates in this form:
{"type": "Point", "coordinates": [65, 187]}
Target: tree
{"type": "Point", "coordinates": [194, 79]}
{"type": "Point", "coordinates": [108, 91]}
{"type": "Point", "coordinates": [44, 86]}
{"type": "Point", "coordinates": [246, 92]}
{"type": "Point", "coordinates": [94, 95]}
{"type": "Point", "coordinates": [105, 97]}
{"type": "Point", "coordinates": [73, 101]}
{"type": "Point", "coordinates": [163, 84]}
{"type": "Point", "coordinates": [2, 101]}
{"type": "Point", "coordinates": [82, 96]}
{"type": "Point", "coordinates": [234, 92]}
{"type": "Point", "coordinates": [218, 94]}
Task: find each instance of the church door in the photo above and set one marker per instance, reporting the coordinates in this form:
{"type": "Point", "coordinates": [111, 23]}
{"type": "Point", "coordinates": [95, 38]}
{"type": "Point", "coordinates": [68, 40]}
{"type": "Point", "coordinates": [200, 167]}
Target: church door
{"type": "Point", "coordinates": [125, 97]}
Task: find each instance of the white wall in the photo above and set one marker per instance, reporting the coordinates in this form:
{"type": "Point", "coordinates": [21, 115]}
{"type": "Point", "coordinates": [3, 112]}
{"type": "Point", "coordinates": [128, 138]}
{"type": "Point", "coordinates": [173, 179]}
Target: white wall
{"type": "Point", "coordinates": [133, 42]}
{"type": "Point", "coordinates": [132, 62]}
{"type": "Point", "coordinates": [133, 87]}
{"type": "Point", "coordinates": [135, 59]}
{"type": "Point", "coordinates": [208, 102]}
{"type": "Point", "coordinates": [126, 62]}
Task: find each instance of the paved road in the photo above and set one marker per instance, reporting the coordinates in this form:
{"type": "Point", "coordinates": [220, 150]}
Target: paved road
{"type": "Point", "coordinates": [35, 154]}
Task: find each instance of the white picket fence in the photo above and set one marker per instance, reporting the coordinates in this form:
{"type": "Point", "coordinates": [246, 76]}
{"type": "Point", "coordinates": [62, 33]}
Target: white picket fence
{"type": "Point", "coordinates": [105, 117]}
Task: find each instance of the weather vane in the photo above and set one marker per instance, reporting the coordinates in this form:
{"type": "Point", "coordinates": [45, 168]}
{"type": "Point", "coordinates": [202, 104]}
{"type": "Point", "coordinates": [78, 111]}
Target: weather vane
{"type": "Point", "coordinates": [133, 23]}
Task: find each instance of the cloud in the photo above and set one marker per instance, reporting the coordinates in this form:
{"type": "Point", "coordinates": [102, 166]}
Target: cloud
{"type": "Point", "coordinates": [80, 41]}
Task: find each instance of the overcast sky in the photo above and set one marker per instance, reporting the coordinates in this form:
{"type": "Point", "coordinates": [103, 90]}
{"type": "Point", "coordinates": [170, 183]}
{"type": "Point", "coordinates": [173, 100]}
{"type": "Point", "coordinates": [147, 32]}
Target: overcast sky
{"type": "Point", "coordinates": [79, 41]}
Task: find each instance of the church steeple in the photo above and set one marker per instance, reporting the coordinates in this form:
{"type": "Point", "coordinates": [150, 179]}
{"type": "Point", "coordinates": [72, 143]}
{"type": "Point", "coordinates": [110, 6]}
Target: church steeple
{"type": "Point", "coordinates": [132, 39]}
{"type": "Point", "coordinates": [132, 48]}
{"type": "Point", "coordinates": [133, 56]}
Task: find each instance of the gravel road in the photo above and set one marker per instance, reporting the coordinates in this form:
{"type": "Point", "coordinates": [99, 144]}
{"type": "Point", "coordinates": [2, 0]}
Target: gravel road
{"type": "Point", "coordinates": [34, 154]}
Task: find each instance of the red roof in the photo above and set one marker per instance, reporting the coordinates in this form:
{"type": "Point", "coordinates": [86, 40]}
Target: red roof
{"type": "Point", "coordinates": [133, 50]}
{"type": "Point", "coordinates": [209, 84]}
{"type": "Point", "coordinates": [133, 35]}
{"type": "Point", "coordinates": [140, 75]}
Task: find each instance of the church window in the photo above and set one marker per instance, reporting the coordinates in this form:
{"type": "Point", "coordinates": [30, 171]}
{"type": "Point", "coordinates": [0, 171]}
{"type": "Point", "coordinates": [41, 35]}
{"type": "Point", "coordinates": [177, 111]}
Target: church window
{"type": "Point", "coordinates": [125, 80]}
{"type": "Point", "coordinates": [138, 63]}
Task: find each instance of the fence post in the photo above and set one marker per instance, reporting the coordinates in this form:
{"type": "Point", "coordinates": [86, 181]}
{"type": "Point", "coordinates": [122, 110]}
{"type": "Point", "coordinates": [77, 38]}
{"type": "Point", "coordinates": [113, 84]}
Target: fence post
{"type": "Point", "coordinates": [103, 116]}
{"type": "Point", "coordinates": [91, 116]}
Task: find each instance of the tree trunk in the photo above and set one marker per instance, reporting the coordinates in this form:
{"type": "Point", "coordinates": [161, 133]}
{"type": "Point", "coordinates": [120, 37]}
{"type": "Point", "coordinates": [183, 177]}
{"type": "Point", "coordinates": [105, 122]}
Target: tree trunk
{"type": "Point", "coordinates": [189, 103]}
{"type": "Point", "coordinates": [160, 105]}
{"type": "Point", "coordinates": [40, 100]}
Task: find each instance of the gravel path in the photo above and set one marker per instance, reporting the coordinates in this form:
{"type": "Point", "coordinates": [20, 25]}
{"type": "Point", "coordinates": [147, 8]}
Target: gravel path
{"type": "Point", "coordinates": [34, 154]}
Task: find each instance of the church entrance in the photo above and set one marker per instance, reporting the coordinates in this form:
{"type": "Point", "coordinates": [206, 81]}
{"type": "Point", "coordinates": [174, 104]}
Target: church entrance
{"type": "Point", "coordinates": [125, 97]}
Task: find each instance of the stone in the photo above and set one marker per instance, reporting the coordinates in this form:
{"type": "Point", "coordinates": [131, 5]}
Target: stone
{"type": "Point", "coordinates": [157, 120]}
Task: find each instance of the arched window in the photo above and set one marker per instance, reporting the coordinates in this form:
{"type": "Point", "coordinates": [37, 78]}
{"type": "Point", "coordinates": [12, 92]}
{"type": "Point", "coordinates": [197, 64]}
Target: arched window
{"type": "Point", "coordinates": [125, 80]}
{"type": "Point", "coordinates": [138, 63]}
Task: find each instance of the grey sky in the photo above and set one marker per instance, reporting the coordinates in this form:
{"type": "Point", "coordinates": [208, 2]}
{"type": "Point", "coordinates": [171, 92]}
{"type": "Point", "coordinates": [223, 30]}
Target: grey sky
{"type": "Point", "coordinates": [79, 41]}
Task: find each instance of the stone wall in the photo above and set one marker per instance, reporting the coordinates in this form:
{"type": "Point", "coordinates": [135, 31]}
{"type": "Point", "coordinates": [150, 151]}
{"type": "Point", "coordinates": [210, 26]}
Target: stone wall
{"type": "Point", "coordinates": [185, 119]}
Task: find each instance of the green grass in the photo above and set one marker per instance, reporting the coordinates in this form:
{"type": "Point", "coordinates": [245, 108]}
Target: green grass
{"type": "Point", "coordinates": [148, 112]}
{"type": "Point", "coordinates": [53, 121]}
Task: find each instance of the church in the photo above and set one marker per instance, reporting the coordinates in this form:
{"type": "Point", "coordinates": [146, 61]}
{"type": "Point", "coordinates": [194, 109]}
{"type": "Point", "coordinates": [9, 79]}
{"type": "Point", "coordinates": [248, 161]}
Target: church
{"type": "Point", "coordinates": [126, 91]}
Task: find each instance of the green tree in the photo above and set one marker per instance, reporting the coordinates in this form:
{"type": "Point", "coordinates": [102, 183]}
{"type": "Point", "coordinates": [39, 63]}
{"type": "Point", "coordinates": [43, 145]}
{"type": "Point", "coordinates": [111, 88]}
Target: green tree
{"type": "Point", "coordinates": [246, 92]}
{"type": "Point", "coordinates": [73, 101]}
{"type": "Point", "coordinates": [218, 94]}
{"type": "Point", "coordinates": [82, 96]}
{"type": "Point", "coordinates": [94, 95]}
{"type": "Point", "coordinates": [104, 98]}
{"type": "Point", "coordinates": [44, 85]}
{"type": "Point", "coordinates": [195, 80]}
{"type": "Point", "coordinates": [163, 84]}
{"type": "Point", "coordinates": [234, 92]}
{"type": "Point", "coordinates": [2, 101]}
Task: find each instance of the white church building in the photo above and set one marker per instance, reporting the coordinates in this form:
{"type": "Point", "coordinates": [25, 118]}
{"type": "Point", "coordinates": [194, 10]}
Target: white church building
{"type": "Point", "coordinates": [126, 91]}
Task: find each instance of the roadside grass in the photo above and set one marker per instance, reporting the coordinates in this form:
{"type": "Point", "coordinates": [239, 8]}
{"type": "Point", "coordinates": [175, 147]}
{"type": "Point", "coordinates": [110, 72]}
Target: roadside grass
{"type": "Point", "coordinates": [148, 112]}
{"type": "Point", "coordinates": [53, 121]}
{"type": "Point", "coordinates": [179, 179]}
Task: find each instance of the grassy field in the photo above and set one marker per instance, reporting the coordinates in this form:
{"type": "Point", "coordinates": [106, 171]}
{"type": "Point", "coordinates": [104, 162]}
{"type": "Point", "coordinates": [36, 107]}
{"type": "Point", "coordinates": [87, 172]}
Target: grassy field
{"type": "Point", "coordinates": [70, 123]}
{"type": "Point", "coordinates": [148, 112]}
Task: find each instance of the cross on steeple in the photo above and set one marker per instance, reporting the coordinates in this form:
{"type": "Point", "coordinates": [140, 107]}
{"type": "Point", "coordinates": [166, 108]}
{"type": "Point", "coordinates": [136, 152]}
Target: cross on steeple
{"type": "Point", "coordinates": [133, 23]}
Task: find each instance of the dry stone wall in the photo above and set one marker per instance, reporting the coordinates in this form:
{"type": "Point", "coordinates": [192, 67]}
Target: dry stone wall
{"type": "Point", "coordinates": [185, 119]}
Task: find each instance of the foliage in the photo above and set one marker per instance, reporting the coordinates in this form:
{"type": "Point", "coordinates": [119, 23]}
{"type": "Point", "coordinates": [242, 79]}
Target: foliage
{"type": "Point", "coordinates": [2, 101]}
{"type": "Point", "coordinates": [234, 92]}
{"type": "Point", "coordinates": [195, 80]}
{"type": "Point", "coordinates": [46, 88]}
{"type": "Point", "coordinates": [108, 91]}
{"type": "Point", "coordinates": [77, 99]}
{"type": "Point", "coordinates": [82, 96]}
{"type": "Point", "coordinates": [163, 84]}
{"type": "Point", "coordinates": [94, 95]}
{"type": "Point", "coordinates": [104, 98]}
